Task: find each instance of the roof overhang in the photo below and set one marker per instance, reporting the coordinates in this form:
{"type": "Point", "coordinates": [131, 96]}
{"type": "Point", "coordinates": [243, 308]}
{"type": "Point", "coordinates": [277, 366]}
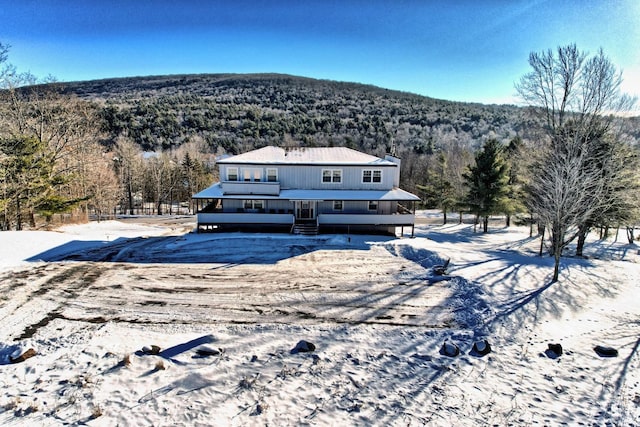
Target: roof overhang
{"type": "Point", "coordinates": [396, 194]}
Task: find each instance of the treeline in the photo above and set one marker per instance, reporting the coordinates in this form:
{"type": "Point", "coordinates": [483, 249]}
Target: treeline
{"type": "Point", "coordinates": [236, 113]}
{"type": "Point", "coordinates": [55, 158]}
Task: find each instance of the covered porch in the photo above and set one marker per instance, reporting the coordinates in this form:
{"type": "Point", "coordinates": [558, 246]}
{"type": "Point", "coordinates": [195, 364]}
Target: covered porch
{"type": "Point", "coordinates": [323, 209]}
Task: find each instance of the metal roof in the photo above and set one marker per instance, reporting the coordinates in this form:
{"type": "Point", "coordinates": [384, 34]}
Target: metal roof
{"type": "Point", "coordinates": [396, 194]}
{"type": "Point", "coordinates": [306, 155]}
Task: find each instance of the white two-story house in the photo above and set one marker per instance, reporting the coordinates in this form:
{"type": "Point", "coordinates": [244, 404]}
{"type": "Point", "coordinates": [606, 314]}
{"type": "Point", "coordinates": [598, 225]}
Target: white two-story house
{"type": "Point", "coordinates": [310, 190]}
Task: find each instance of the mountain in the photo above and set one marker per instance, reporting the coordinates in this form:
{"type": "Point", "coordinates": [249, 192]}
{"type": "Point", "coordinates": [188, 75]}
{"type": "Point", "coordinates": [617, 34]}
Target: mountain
{"type": "Point", "coordinates": [236, 112]}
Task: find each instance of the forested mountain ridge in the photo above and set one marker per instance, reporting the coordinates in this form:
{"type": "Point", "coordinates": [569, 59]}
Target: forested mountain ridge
{"type": "Point", "coordinates": [236, 112]}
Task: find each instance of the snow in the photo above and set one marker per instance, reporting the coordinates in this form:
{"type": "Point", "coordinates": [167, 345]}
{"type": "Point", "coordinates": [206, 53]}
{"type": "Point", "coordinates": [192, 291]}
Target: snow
{"type": "Point", "coordinates": [216, 192]}
{"type": "Point", "coordinates": [93, 299]}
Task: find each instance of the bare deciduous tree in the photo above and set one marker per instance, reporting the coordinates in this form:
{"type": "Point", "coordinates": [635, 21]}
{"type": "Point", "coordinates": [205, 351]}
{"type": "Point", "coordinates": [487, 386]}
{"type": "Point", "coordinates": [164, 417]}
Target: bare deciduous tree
{"type": "Point", "coordinates": [59, 128]}
{"type": "Point", "coordinates": [578, 97]}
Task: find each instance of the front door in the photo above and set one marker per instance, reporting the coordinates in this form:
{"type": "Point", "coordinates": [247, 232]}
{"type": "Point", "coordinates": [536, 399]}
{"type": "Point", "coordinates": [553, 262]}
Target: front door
{"type": "Point", "coordinates": [305, 209]}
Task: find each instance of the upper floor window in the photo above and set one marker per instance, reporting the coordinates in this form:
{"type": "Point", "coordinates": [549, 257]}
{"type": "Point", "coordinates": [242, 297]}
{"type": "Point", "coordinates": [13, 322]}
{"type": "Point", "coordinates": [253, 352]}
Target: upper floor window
{"type": "Point", "coordinates": [252, 174]}
{"type": "Point", "coordinates": [372, 175]}
{"type": "Point", "coordinates": [272, 175]}
{"type": "Point", "coordinates": [253, 204]}
{"type": "Point", "coordinates": [331, 175]}
{"type": "Point", "coordinates": [373, 205]}
{"type": "Point", "coordinates": [232, 174]}
{"type": "Point", "coordinates": [337, 205]}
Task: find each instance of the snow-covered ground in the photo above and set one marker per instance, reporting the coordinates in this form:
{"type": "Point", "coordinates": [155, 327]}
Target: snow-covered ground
{"type": "Point", "coordinates": [89, 298]}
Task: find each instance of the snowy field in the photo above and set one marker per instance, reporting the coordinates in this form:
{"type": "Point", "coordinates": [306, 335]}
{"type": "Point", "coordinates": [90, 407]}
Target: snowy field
{"type": "Point", "coordinates": [226, 312]}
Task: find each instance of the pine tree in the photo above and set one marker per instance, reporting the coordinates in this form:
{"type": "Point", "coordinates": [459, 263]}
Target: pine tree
{"type": "Point", "coordinates": [438, 191]}
{"type": "Point", "coordinates": [29, 184]}
{"type": "Point", "coordinates": [487, 182]}
{"type": "Point", "coordinates": [515, 194]}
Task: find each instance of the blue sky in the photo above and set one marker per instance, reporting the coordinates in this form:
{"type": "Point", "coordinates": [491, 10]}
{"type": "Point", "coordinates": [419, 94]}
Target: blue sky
{"type": "Point", "coordinates": [462, 50]}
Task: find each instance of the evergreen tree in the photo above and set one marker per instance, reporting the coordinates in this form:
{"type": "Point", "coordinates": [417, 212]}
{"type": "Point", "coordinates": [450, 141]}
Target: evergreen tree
{"type": "Point", "coordinates": [438, 192]}
{"type": "Point", "coordinates": [487, 182]}
{"type": "Point", "coordinates": [29, 184]}
{"type": "Point", "coordinates": [513, 203]}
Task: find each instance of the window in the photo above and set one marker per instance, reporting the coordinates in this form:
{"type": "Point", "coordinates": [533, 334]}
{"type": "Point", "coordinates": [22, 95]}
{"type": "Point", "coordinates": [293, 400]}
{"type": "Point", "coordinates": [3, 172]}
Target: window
{"type": "Point", "coordinates": [332, 176]}
{"type": "Point", "coordinates": [272, 175]}
{"type": "Point", "coordinates": [372, 175]}
{"type": "Point", "coordinates": [373, 205]}
{"type": "Point", "coordinates": [253, 204]}
{"type": "Point", "coordinates": [232, 174]}
{"type": "Point", "coordinates": [337, 205]}
{"type": "Point", "coordinates": [252, 174]}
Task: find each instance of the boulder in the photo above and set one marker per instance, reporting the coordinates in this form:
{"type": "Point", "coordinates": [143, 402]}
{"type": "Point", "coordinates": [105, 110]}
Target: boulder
{"type": "Point", "coordinates": [555, 348]}
{"type": "Point", "coordinates": [151, 349]}
{"type": "Point", "coordinates": [481, 348]}
{"type": "Point", "coordinates": [303, 347]}
{"type": "Point", "coordinates": [205, 351]}
{"type": "Point", "coordinates": [603, 351]}
{"type": "Point", "coordinates": [449, 349]}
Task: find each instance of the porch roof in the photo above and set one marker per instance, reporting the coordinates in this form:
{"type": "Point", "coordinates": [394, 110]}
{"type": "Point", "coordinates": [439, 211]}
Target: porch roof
{"type": "Point", "coordinates": [396, 194]}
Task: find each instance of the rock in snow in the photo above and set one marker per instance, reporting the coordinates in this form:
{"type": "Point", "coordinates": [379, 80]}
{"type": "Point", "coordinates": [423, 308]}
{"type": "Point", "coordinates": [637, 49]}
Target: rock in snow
{"type": "Point", "coordinates": [303, 347]}
{"type": "Point", "coordinates": [556, 349]}
{"type": "Point", "coordinates": [204, 351]}
{"type": "Point", "coordinates": [605, 351]}
{"type": "Point", "coordinates": [151, 349]}
{"type": "Point", "coordinates": [481, 347]}
{"type": "Point", "coordinates": [449, 349]}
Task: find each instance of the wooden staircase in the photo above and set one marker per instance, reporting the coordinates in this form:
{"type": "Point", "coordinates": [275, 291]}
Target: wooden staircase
{"type": "Point", "coordinates": [309, 228]}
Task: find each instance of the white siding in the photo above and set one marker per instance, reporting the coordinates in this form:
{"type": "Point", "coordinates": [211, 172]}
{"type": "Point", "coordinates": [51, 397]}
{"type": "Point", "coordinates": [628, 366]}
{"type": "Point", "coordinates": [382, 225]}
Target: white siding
{"type": "Point", "coordinates": [358, 207]}
{"type": "Point", "coordinates": [310, 177]}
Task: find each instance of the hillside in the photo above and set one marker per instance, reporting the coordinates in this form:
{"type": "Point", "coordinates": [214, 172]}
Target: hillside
{"type": "Point", "coordinates": [235, 112]}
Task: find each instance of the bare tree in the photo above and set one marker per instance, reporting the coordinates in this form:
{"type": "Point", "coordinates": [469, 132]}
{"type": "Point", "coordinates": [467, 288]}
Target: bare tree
{"type": "Point", "coordinates": [578, 97]}
{"type": "Point", "coordinates": [104, 187]}
{"type": "Point", "coordinates": [128, 165]}
{"type": "Point", "coordinates": [37, 122]}
{"type": "Point", "coordinates": [164, 174]}
{"type": "Point", "coordinates": [564, 191]}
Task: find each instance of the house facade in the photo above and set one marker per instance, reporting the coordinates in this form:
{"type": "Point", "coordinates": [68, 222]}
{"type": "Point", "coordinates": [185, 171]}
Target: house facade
{"type": "Point", "coordinates": [307, 190]}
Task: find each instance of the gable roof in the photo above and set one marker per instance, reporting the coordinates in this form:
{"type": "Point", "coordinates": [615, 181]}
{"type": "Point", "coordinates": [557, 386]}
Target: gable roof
{"type": "Point", "coordinates": [306, 156]}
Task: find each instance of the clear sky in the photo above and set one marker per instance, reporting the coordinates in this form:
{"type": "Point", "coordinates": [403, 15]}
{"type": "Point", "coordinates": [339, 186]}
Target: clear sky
{"type": "Point", "coordinates": [463, 50]}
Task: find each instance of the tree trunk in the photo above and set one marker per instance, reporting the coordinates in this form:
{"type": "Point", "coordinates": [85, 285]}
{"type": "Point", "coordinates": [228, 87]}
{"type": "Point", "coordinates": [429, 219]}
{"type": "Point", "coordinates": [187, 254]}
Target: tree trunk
{"type": "Point", "coordinates": [630, 235]}
{"type": "Point", "coordinates": [18, 214]}
{"type": "Point", "coordinates": [508, 221]}
{"type": "Point", "coordinates": [556, 267]}
{"type": "Point", "coordinates": [557, 239]}
{"type": "Point", "coordinates": [541, 240]}
{"type": "Point", "coordinates": [444, 211]}
{"type": "Point", "coordinates": [130, 196]}
{"type": "Point", "coordinates": [583, 230]}
{"type": "Point", "coordinates": [485, 224]}
{"type": "Point", "coordinates": [32, 219]}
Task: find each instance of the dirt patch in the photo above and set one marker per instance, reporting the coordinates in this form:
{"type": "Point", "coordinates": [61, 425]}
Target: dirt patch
{"type": "Point", "coordinates": [30, 330]}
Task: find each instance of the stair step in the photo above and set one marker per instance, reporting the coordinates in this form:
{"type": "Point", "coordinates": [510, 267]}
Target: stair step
{"type": "Point", "coordinates": [305, 229]}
